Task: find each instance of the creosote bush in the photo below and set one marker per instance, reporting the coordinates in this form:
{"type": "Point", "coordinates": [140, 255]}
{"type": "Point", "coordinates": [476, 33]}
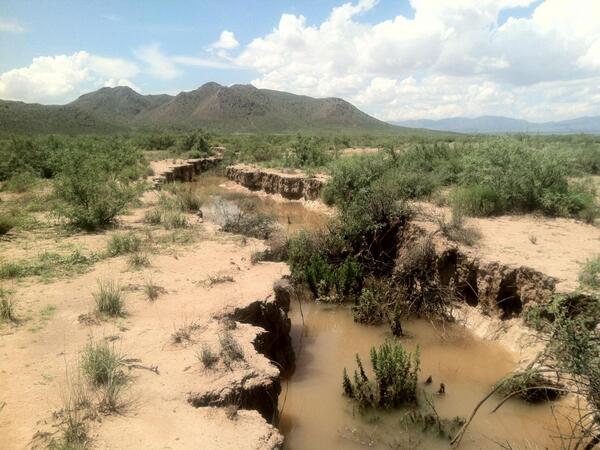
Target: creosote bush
{"type": "Point", "coordinates": [395, 380]}
{"type": "Point", "coordinates": [109, 299]}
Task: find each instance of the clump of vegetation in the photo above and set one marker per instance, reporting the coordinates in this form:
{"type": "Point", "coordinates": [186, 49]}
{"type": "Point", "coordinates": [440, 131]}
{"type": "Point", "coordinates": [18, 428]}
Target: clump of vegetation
{"type": "Point", "coordinates": [529, 385]}
{"type": "Point", "coordinates": [48, 264]}
{"type": "Point", "coordinates": [231, 350]}
{"type": "Point", "coordinates": [153, 216]}
{"type": "Point", "coordinates": [7, 223]}
{"type": "Point", "coordinates": [152, 290]}
{"type": "Point", "coordinates": [456, 230]}
{"type": "Point", "coordinates": [109, 299]}
{"type": "Point", "coordinates": [20, 182]}
{"type": "Point", "coordinates": [137, 261]}
{"type": "Point", "coordinates": [218, 279]}
{"type": "Point", "coordinates": [7, 307]}
{"type": "Point", "coordinates": [246, 220]}
{"type": "Point", "coordinates": [104, 367]}
{"type": "Point", "coordinates": [589, 277]}
{"type": "Point", "coordinates": [379, 301]}
{"type": "Point", "coordinates": [77, 408]}
{"type": "Point", "coordinates": [174, 220]}
{"type": "Point", "coordinates": [123, 243]}
{"type": "Point", "coordinates": [185, 196]}
{"type": "Point", "coordinates": [278, 249]}
{"type": "Point", "coordinates": [207, 356]}
{"type": "Point", "coordinates": [395, 381]}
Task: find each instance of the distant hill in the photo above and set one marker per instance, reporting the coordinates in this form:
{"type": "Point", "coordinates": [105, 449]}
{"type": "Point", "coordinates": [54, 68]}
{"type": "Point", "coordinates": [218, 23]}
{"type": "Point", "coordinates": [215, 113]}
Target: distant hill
{"type": "Point", "coordinates": [498, 124]}
{"type": "Point", "coordinates": [239, 108]}
{"type": "Point", "coordinates": [25, 118]}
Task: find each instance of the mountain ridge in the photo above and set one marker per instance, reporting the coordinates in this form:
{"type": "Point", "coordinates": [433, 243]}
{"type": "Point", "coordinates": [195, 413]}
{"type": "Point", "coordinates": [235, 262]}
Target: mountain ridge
{"type": "Point", "coordinates": [500, 124]}
{"type": "Point", "coordinates": [213, 107]}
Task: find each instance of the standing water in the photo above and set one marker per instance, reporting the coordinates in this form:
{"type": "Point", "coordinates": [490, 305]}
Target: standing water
{"type": "Point", "coordinates": [316, 415]}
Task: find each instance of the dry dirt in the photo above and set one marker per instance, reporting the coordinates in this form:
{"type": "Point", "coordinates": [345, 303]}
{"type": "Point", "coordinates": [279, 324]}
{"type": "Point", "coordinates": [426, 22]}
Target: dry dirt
{"type": "Point", "coordinates": [39, 356]}
{"type": "Point", "coordinates": [554, 246]}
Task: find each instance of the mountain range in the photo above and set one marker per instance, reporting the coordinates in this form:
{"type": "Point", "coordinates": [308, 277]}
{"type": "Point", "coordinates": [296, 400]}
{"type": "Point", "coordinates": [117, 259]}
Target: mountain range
{"type": "Point", "coordinates": [238, 108]}
{"type": "Point", "coordinates": [498, 124]}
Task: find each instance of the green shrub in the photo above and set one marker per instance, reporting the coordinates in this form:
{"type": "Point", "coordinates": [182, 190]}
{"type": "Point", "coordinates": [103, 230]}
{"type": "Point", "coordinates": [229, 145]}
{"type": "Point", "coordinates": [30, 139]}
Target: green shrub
{"type": "Point", "coordinates": [100, 363]}
{"type": "Point", "coordinates": [7, 223]}
{"type": "Point", "coordinates": [47, 265]}
{"type": "Point", "coordinates": [476, 201]}
{"type": "Point", "coordinates": [123, 243]}
{"type": "Point", "coordinates": [109, 299]}
{"type": "Point", "coordinates": [153, 216]}
{"type": "Point", "coordinates": [173, 220]}
{"type": "Point", "coordinates": [20, 182]}
{"type": "Point", "coordinates": [186, 197]}
{"type": "Point", "coordinates": [137, 261]}
{"type": "Point", "coordinates": [395, 382]}
{"type": "Point", "coordinates": [589, 276]}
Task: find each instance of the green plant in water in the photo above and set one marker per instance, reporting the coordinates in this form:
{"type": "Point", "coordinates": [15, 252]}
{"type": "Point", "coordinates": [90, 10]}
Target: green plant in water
{"type": "Point", "coordinates": [395, 378]}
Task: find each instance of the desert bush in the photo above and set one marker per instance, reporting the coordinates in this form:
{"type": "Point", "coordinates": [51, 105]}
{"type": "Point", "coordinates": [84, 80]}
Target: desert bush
{"type": "Point", "coordinates": [456, 230]}
{"type": "Point", "coordinates": [476, 200]}
{"type": "Point", "coordinates": [231, 351]}
{"type": "Point", "coordinates": [137, 261]}
{"type": "Point", "coordinates": [109, 299]}
{"type": "Point", "coordinates": [7, 223]}
{"type": "Point", "coordinates": [153, 216]}
{"type": "Point", "coordinates": [529, 385]}
{"type": "Point", "coordinates": [186, 197]}
{"type": "Point", "coordinates": [395, 382]}
{"type": "Point", "coordinates": [123, 243]}
{"type": "Point", "coordinates": [350, 176]}
{"type": "Point", "coordinates": [48, 264]}
{"type": "Point", "coordinates": [244, 219]}
{"type": "Point", "coordinates": [152, 290]}
{"type": "Point", "coordinates": [7, 307]}
{"type": "Point", "coordinates": [589, 276]}
{"type": "Point", "coordinates": [378, 302]}
{"type": "Point", "coordinates": [174, 220]}
{"type": "Point", "coordinates": [306, 152]}
{"type": "Point", "coordinates": [207, 357]}
{"type": "Point", "coordinates": [101, 363]}
{"type": "Point", "coordinates": [195, 144]}
{"type": "Point", "coordinates": [20, 182]}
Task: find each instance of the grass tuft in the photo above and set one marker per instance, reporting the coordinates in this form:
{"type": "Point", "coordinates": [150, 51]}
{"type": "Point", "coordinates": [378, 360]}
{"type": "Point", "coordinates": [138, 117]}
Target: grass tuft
{"type": "Point", "coordinates": [152, 290]}
{"type": "Point", "coordinates": [207, 356]}
{"type": "Point", "coordinates": [231, 350]}
{"type": "Point", "coordinates": [589, 277]}
{"type": "Point", "coordinates": [109, 299]}
{"type": "Point", "coordinates": [137, 261]}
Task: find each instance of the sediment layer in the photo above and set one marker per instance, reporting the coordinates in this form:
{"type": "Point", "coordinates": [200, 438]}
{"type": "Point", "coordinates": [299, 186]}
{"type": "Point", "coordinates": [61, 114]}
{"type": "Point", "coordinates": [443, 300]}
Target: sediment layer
{"type": "Point", "coordinates": [186, 170]}
{"type": "Point", "coordinates": [292, 186]}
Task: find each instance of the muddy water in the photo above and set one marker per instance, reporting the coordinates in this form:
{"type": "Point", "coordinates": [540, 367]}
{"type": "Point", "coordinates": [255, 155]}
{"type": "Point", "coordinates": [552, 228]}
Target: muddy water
{"type": "Point", "coordinates": [293, 216]}
{"type": "Point", "coordinates": [315, 414]}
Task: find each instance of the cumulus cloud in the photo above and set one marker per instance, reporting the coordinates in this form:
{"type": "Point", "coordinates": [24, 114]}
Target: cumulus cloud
{"type": "Point", "coordinates": [226, 41]}
{"type": "Point", "coordinates": [61, 78]}
{"type": "Point", "coordinates": [11, 26]}
{"type": "Point", "coordinates": [451, 58]}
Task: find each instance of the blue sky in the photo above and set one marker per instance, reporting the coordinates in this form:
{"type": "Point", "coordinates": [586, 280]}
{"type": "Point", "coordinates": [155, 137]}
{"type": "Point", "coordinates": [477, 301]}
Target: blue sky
{"type": "Point", "coordinates": [396, 59]}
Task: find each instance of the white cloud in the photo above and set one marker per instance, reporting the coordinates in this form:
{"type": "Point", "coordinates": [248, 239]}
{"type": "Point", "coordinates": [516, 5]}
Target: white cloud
{"type": "Point", "coordinates": [226, 41]}
{"type": "Point", "coordinates": [159, 64]}
{"type": "Point", "coordinates": [11, 26]}
{"type": "Point", "coordinates": [452, 58]}
{"type": "Point", "coordinates": [61, 78]}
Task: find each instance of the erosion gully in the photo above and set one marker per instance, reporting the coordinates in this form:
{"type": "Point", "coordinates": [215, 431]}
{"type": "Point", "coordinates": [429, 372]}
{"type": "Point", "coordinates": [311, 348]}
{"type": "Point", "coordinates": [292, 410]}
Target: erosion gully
{"type": "Point", "coordinates": [315, 414]}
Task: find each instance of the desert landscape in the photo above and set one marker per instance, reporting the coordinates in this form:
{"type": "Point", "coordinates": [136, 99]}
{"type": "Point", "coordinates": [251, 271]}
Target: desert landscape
{"type": "Point", "coordinates": [367, 234]}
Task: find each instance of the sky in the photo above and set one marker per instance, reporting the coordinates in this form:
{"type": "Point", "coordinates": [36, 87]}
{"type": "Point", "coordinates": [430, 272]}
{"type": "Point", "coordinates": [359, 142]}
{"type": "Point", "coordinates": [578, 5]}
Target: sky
{"type": "Point", "coordinates": [395, 59]}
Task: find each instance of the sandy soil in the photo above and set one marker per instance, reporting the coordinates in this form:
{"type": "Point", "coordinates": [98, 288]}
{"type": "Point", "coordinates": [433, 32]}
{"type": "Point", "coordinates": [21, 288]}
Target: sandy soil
{"type": "Point", "coordinates": [38, 356]}
{"type": "Point", "coordinates": [557, 247]}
